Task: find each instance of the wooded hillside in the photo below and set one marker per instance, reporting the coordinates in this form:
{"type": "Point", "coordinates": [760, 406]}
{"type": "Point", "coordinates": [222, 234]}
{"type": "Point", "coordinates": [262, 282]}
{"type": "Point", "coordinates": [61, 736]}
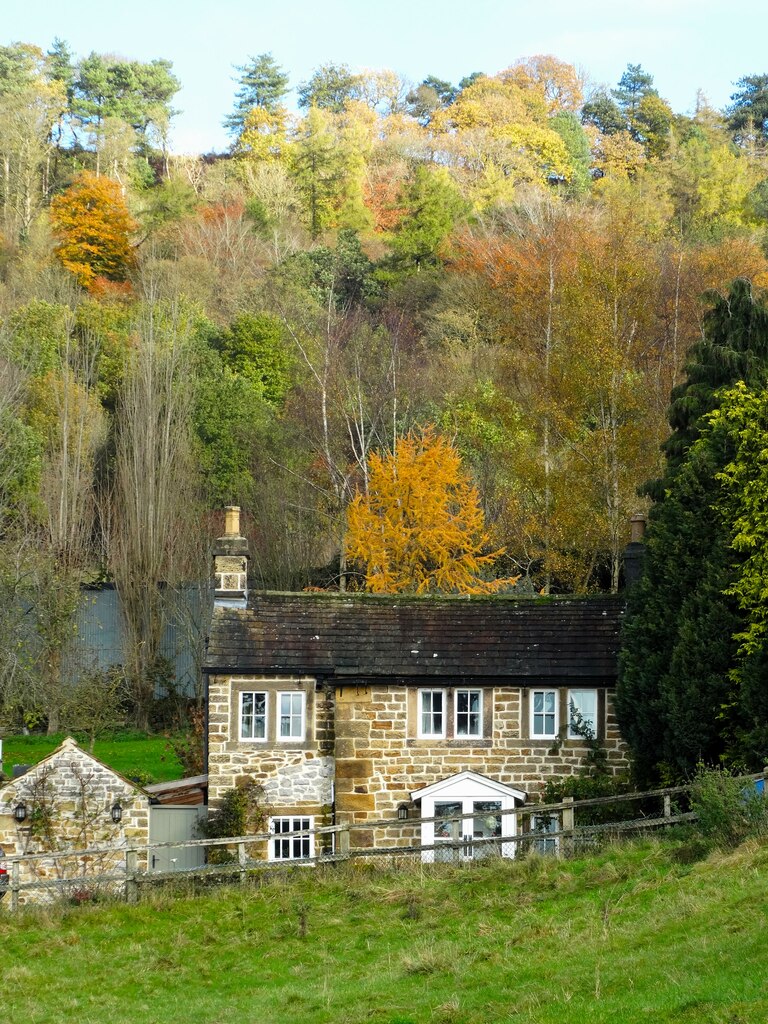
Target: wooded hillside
{"type": "Point", "coordinates": [511, 263]}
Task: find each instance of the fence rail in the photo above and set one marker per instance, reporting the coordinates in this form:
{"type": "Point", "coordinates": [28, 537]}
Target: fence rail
{"type": "Point", "coordinates": [82, 875]}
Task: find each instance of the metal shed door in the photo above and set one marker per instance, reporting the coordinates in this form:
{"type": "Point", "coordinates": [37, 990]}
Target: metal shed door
{"type": "Point", "coordinates": [175, 824]}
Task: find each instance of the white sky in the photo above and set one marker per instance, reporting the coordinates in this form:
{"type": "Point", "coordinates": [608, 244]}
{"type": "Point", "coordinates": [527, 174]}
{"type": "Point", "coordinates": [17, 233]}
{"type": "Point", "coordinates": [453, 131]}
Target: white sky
{"type": "Point", "coordinates": [686, 44]}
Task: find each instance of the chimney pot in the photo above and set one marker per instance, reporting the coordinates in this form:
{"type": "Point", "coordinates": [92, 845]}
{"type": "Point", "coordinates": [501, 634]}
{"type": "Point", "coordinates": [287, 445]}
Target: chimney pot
{"type": "Point", "coordinates": [637, 528]}
{"type": "Point", "coordinates": [232, 521]}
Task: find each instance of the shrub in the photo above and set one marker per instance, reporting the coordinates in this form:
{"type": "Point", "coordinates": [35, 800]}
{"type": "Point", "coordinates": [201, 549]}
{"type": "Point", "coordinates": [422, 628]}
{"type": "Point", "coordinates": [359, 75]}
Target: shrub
{"type": "Point", "coordinates": [239, 813]}
{"type": "Point", "coordinates": [728, 809]}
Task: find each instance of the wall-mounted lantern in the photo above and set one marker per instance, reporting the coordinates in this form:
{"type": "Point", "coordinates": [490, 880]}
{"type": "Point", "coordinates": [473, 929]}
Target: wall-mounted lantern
{"type": "Point", "coordinates": [116, 812]}
{"type": "Point", "coordinates": [20, 811]}
{"type": "Point", "coordinates": [402, 812]}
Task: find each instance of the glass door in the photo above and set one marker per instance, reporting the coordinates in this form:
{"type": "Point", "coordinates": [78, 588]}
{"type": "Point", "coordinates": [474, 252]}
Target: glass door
{"type": "Point", "coordinates": [486, 824]}
{"type": "Point", "coordinates": [447, 831]}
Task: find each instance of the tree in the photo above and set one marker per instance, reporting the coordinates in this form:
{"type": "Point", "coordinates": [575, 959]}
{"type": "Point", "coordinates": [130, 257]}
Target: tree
{"type": "Point", "coordinates": [604, 113]}
{"type": "Point", "coordinates": [634, 85]}
{"type": "Point", "coordinates": [139, 94]}
{"type": "Point", "coordinates": [153, 542]}
{"type": "Point", "coordinates": [434, 206]}
{"type": "Point", "coordinates": [254, 347]}
{"type": "Point", "coordinates": [674, 699]}
{"type": "Point", "coordinates": [420, 528]}
{"type": "Point", "coordinates": [432, 94]}
{"type": "Point", "coordinates": [30, 105]}
{"type": "Point", "coordinates": [748, 112]}
{"type": "Point", "coordinates": [560, 83]}
{"type": "Point", "coordinates": [93, 227]}
{"type": "Point", "coordinates": [263, 84]}
{"type": "Point", "coordinates": [576, 142]}
{"type": "Point", "coordinates": [316, 166]}
{"type": "Point", "coordinates": [330, 88]}
{"type": "Point", "coordinates": [742, 420]}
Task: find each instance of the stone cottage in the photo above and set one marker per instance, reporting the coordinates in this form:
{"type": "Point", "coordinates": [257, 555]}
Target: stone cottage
{"type": "Point", "coordinates": [69, 801]}
{"type": "Point", "coordinates": [347, 709]}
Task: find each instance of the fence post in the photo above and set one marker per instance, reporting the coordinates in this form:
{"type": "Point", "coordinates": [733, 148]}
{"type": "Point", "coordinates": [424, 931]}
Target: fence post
{"type": "Point", "coordinates": [667, 805]}
{"type": "Point", "coordinates": [241, 860]}
{"type": "Point", "coordinates": [342, 841]}
{"type": "Point", "coordinates": [15, 885]}
{"type": "Point", "coordinates": [566, 847]}
{"type": "Point", "coordinates": [131, 884]}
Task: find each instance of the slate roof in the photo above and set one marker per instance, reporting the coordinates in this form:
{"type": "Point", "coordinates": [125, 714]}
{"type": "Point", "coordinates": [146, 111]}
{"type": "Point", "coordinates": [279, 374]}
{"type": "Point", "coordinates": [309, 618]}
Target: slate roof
{"type": "Point", "coordinates": [362, 636]}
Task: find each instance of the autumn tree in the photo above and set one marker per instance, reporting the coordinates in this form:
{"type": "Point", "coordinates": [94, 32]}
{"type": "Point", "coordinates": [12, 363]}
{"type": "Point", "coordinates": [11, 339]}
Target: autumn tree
{"type": "Point", "coordinates": [93, 227]}
{"type": "Point", "coordinates": [420, 527]}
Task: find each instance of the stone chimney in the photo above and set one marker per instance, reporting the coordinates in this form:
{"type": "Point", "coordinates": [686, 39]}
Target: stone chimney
{"type": "Point", "coordinates": [230, 563]}
{"type": "Point", "coordinates": [634, 552]}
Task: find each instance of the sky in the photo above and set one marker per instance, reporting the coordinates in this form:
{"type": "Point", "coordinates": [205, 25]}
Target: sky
{"type": "Point", "coordinates": [686, 45]}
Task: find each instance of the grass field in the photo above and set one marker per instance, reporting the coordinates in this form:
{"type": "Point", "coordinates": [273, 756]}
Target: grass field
{"type": "Point", "coordinates": [631, 935]}
{"type": "Point", "coordinates": [133, 754]}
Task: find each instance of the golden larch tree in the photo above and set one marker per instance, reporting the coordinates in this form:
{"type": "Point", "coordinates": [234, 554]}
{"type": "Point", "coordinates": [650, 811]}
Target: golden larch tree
{"type": "Point", "coordinates": [420, 527]}
{"type": "Point", "coordinates": [93, 227]}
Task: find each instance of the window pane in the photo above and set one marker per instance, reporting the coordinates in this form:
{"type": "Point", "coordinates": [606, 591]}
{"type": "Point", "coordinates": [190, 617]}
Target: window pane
{"type": "Point", "coordinates": [296, 847]}
{"type": "Point", "coordinates": [468, 716]}
{"type": "Point", "coordinates": [253, 716]}
{"type": "Point", "coordinates": [582, 713]}
{"type": "Point", "coordinates": [431, 712]}
{"type": "Point", "coordinates": [544, 718]}
{"type": "Point", "coordinates": [292, 715]}
{"type": "Point", "coordinates": [447, 830]}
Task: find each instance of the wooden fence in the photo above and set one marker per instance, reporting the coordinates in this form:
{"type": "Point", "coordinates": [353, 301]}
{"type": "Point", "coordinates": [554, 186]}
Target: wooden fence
{"type": "Point", "coordinates": [83, 875]}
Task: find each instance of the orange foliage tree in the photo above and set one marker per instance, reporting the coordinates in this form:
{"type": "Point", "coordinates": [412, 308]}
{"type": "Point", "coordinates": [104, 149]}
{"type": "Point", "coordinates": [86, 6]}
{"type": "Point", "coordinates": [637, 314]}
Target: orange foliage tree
{"type": "Point", "coordinates": [420, 527]}
{"type": "Point", "coordinates": [93, 227]}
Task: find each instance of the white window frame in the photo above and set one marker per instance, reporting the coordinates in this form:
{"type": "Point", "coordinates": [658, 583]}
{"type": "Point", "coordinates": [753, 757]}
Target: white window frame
{"type": "Point", "coordinates": [299, 847]}
{"type": "Point", "coordinates": [253, 739]}
{"type": "Point", "coordinates": [467, 735]}
{"type": "Point", "coordinates": [542, 827]}
{"type": "Point", "coordinates": [544, 735]}
{"type": "Point", "coordinates": [443, 712]}
{"type": "Point", "coordinates": [591, 722]}
{"type": "Point", "coordinates": [292, 737]}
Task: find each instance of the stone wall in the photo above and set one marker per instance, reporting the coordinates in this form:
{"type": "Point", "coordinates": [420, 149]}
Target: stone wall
{"type": "Point", "coordinates": [381, 761]}
{"type": "Point", "coordinates": [363, 749]}
{"type": "Point", "coordinates": [296, 777]}
{"type": "Point", "coordinates": [69, 798]}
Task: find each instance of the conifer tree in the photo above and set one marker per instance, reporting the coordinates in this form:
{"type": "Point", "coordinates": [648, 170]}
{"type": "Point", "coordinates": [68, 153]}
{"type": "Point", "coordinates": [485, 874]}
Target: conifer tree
{"type": "Point", "coordinates": [674, 698]}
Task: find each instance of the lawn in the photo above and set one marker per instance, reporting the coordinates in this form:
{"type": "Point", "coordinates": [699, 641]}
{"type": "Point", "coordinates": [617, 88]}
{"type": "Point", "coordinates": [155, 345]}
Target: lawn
{"type": "Point", "coordinates": [134, 754]}
{"type": "Point", "coordinates": [634, 934]}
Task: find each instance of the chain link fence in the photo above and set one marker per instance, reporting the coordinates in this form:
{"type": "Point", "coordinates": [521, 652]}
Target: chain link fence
{"type": "Point", "coordinates": [129, 874]}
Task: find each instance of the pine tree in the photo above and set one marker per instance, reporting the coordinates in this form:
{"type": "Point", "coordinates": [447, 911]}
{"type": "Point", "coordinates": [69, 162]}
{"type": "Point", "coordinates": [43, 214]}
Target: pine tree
{"type": "Point", "coordinates": [263, 84]}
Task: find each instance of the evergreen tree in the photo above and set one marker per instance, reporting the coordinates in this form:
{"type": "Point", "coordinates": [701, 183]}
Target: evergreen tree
{"type": "Point", "coordinates": [634, 85]}
{"type": "Point", "coordinates": [674, 697]}
{"type": "Point", "coordinates": [263, 84]}
{"type": "Point", "coordinates": [331, 87]}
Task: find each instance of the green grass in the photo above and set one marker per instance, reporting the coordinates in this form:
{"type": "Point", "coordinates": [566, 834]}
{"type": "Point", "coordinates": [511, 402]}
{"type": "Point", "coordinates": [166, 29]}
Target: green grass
{"type": "Point", "coordinates": [631, 935]}
{"type": "Point", "coordinates": [130, 753]}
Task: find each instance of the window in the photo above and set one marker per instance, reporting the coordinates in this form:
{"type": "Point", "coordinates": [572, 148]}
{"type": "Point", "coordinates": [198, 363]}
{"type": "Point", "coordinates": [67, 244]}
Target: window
{"type": "Point", "coordinates": [542, 826]}
{"type": "Point", "coordinates": [543, 714]}
{"type": "Point", "coordinates": [292, 847]}
{"type": "Point", "coordinates": [582, 714]}
{"type": "Point", "coordinates": [469, 713]}
{"type": "Point", "coordinates": [291, 716]}
{"type": "Point", "coordinates": [432, 713]}
{"type": "Point", "coordinates": [253, 716]}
